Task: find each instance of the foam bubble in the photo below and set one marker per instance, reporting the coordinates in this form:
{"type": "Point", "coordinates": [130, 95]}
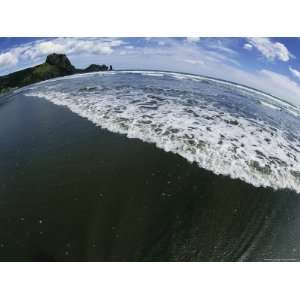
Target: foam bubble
{"type": "Point", "coordinates": [222, 128]}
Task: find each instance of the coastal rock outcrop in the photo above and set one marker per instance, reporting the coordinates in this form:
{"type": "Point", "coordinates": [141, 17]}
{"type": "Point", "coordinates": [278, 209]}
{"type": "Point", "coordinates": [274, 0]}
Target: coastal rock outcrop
{"type": "Point", "coordinates": [95, 68]}
{"type": "Point", "coordinates": [56, 65]}
{"type": "Point", "coordinates": [61, 61]}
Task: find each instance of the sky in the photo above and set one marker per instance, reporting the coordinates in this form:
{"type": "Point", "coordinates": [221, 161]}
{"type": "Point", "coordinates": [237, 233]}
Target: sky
{"type": "Point", "coordinates": [268, 64]}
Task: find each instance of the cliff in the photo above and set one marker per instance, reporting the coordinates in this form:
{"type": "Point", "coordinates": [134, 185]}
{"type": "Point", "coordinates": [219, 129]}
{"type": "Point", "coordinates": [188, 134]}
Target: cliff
{"type": "Point", "coordinates": [56, 65]}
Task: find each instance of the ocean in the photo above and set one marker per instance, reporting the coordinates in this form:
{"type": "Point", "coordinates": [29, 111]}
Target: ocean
{"type": "Point", "coordinates": [72, 191]}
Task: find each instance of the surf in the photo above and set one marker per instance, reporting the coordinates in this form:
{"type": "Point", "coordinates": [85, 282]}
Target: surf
{"type": "Point", "coordinates": [221, 127]}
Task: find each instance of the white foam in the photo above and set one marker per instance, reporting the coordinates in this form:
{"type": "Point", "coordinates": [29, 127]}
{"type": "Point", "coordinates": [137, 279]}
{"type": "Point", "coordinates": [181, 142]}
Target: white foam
{"type": "Point", "coordinates": [182, 76]}
{"type": "Point", "coordinates": [248, 149]}
{"type": "Point", "coordinates": [270, 105]}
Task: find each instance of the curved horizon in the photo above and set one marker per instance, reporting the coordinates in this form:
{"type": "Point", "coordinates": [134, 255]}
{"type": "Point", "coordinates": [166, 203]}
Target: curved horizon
{"type": "Point", "coordinates": [267, 64]}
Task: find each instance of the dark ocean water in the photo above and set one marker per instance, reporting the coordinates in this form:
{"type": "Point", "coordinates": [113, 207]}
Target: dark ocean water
{"type": "Point", "coordinates": [70, 191]}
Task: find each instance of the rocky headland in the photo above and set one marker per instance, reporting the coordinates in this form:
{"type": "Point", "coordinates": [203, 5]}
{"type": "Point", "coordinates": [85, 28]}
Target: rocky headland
{"type": "Point", "coordinates": [56, 65]}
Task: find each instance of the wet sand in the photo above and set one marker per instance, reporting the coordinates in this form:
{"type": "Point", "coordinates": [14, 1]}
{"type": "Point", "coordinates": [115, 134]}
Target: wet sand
{"type": "Point", "coordinates": [70, 191]}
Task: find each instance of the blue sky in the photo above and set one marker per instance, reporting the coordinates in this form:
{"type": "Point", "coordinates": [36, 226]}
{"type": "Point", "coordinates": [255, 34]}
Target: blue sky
{"type": "Point", "coordinates": [268, 64]}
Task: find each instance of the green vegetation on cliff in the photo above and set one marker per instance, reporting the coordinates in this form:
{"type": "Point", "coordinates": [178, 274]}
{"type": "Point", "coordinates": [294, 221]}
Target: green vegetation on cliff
{"type": "Point", "coordinates": [56, 65]}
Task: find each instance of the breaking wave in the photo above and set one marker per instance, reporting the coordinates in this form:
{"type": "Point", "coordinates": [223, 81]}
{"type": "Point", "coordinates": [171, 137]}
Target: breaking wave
{"type": "Point", "coordinates": [223, 127]}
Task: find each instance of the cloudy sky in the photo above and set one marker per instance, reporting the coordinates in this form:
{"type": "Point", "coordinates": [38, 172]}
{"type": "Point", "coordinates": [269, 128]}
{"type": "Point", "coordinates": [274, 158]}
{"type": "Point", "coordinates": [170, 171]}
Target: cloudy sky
{"type": "Point", "coordinates": [269, 64]}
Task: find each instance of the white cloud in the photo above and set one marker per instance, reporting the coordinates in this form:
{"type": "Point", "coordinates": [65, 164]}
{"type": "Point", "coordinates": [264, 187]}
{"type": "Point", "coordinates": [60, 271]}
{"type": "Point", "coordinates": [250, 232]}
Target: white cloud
{"type": "Point", "coordinates": [218, 45]}
{"type": "Point", "coordinates": [8, 59]}
{"type": "Point", "coordinates": [50, 47]}
{"type": "Point", "coordinates": [248, 46]}
{"type": "Point", "coordinates": [36, 51]}
{"type": "Point", "coordinates": [220, 57]}
{"type": "Point", "coordinates": [161, 43]}
{"type": "Point", "coordinates": [194, 61]}
{"type": "Point", "coordinates": [193, 39]}
{"type": "Point", "coordinates": [74, 46]}
{"type": "Point", "coordinates": [270, 50]}
{"type": "Point", "coordinates": [295, 72]}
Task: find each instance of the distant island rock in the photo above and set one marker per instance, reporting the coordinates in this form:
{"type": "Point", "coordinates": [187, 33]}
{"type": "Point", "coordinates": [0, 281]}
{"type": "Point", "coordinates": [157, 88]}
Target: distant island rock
{"type": "Point", "coordinates": [96, 68]}
{"type": "Point", "coordinates": [56, 65]}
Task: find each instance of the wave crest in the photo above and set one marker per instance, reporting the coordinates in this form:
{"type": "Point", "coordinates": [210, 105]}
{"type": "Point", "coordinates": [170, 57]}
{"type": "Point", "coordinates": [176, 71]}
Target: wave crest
{"type": "Point", "coordinates": [224, 128]}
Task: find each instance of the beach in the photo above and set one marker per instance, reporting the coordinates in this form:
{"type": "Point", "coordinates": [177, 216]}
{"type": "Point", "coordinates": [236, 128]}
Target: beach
{"type": "Point", "coordinates": [71, 191]}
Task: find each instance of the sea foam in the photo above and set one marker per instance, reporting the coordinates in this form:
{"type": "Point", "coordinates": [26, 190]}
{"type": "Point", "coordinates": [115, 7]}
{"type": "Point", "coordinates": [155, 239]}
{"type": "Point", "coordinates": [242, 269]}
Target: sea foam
{"type": "Point", "coordinates": [222, 127]}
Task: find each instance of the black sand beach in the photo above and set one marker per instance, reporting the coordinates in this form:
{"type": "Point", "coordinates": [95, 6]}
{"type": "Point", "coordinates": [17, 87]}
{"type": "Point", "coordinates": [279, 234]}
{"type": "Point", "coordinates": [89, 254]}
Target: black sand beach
{"type": "Point", "coordinates": [70, 191]}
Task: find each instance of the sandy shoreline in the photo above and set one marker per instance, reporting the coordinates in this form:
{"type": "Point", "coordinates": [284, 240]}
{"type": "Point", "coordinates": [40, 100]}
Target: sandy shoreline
{"type": "Point", "coordinates": [72, 191]}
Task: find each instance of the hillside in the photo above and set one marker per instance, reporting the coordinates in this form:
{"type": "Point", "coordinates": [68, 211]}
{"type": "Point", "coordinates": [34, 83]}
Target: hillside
{"type": "Point", "coordinates": [56, 65]}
